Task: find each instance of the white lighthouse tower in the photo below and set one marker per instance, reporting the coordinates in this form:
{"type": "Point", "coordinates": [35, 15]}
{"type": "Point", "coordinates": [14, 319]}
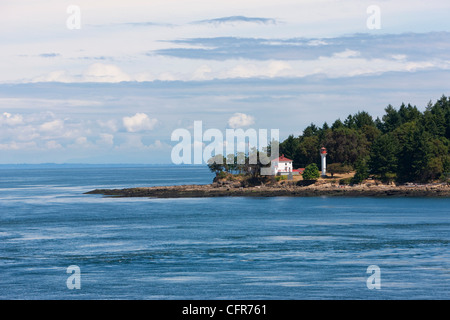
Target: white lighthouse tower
{"type": "Point", "coordinates": [323, 155]}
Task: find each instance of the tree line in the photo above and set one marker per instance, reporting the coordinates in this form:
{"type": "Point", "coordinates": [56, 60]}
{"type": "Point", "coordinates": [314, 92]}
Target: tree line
{"type": "Point", "coordinates": [405, 145]}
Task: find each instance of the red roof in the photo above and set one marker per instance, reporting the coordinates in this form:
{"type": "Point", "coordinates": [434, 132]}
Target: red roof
{"type": "Point", "coordinates": [282, 159]}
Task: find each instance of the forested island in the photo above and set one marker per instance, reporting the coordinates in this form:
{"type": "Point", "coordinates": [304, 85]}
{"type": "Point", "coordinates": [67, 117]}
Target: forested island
{"type": "Point", "coordinates": [403, 153]}
{"type": "Point", "coordinates": [405, 145]}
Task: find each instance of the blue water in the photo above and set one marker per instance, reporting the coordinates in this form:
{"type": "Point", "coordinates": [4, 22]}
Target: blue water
{"type": "Point", "coordinates": [211, 248]}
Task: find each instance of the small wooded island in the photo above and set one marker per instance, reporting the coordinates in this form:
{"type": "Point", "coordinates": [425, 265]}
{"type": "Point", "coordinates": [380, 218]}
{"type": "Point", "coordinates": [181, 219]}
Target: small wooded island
{"type": "Point", "coordinates": [229, 185]}
{"type": "Point", "coordinates": [405, 153]}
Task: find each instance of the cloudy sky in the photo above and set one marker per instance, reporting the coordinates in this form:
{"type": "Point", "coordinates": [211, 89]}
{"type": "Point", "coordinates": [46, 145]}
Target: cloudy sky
{"type": "Point", "coordinates": [108, 81]}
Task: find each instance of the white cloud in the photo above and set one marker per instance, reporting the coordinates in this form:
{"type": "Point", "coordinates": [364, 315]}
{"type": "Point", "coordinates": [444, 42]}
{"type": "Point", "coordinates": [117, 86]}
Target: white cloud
{"type": "Point", "coordinates": [399, 56]}
{"type": "Point", "coordinates": [144, 76]}
{"type": "Point", "coordinates": [345, 63]}
{"type": "Point", "coordinates": [316, 42]}
{"type": "Point", "coordinates": [45, 131]}
{"type": "Point", "coordinates": [99, 72]}
{"type": "Point", "coordinates": [52, 126]}
{"type": "Point", "coordinates": [160, 145]}
{"type": "Point", "coordinates": [242, 71]}
{"type": "Point", "coordinates": [167, 76]}
{"type": "Point", "coordinates": [277, 67]}
{"type": "Point", "coordinates": [11, 120]}
{"type": "Point", "coordinates": [163, 21]}
{"type": "Point", "coordinates": [139, 122]}
{"type": "Point", "coordinates": [202, 73]}
{"type": "Point", "coordinates": [258, 69]}
{"type": "Point", "coordinates": [239, 120]}
{"type": "Point", "coordinates": [347, 54]}
{"type": "Point", "coordinates": [80, 142]}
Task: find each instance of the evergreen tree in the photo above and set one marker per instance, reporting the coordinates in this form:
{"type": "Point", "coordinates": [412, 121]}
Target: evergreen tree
{"type": "Point", "coordinates": [310, 130]}
{"type": "Point", "coordinates": [337, 124]}
{"type": "Point", "coordinates": [371, 132]}
{"type": "Point", "coordinates": [359, 120]}
{"type": "Point", "coordinates": [414, 156]}
{"type": "Point", "coordinates": [383, 159]}
{"type": "Point", "coordinates": [437, 118]}
{"type": "Point", "coordinates": [391, 120]}
{"type": "Point", "coordinates": [362, 170]}
{"type": "Point", "coordinates": [409, 113]}
{"type": "Point", "coordinates": [289, 147]}
{"type": "Point", "coordinates": [307, 152]}
{"type": "Point", "coordinates": [346, 145]}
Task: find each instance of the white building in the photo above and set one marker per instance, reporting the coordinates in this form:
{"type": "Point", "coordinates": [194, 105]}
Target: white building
{"type": "Point", "coordinates": [281, 165]}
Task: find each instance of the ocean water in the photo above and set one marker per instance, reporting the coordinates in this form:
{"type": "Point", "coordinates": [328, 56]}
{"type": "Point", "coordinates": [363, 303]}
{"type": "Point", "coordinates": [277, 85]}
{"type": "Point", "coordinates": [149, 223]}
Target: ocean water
{"type": "Point", "coordinates": [211, 248]}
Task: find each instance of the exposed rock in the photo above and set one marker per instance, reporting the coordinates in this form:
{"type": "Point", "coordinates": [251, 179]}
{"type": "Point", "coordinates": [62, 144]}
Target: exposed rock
{"type": "Point", "coordinates": [218, 189]}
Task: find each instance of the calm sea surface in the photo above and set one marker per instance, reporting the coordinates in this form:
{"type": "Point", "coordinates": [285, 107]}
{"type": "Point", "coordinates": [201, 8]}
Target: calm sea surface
{"type": "Point", "coordinates": [211, 248]}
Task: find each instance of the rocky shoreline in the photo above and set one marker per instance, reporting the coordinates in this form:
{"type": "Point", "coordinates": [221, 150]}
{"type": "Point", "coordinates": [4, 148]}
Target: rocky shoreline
{"type": "Point", "coordinates": [326, 189]}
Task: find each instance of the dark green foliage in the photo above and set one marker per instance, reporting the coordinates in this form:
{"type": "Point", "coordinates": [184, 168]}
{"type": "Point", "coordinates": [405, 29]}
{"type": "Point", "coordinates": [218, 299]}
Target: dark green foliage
{"type": "Point", "coordinates": [311, 172]}
{"type": "Point", "coordinates": [310, 130]}
{"type": "Point", "coordinates": [370, 132]}
{"type": "Point", "coordinates": [437, 118]}
{"type": "Point", "coordinates": [414, 156]}
{"type": "Point", "coordinates": [346, 145]}
{"type": "Point", "coordinates": [289, 147]}
{"type": "Point", "coordinates": [383, 160]}
{"type": "Point", "coordinates": [391, 120]}
{"type": "Point", "coordinates": [337, 124]}
{"type": "Point", "coordinates": [307, 151]}
{"type": "Point", "coordinates": [359, 120]}
{"type": "Point", "coordinates": [404, 145]}
{"type": "Point", "coordinates": [409, 113]}
{"type": "Point", "coordinates": [334, 168]}
{"type": "Point", "coordinates": [362, 171]}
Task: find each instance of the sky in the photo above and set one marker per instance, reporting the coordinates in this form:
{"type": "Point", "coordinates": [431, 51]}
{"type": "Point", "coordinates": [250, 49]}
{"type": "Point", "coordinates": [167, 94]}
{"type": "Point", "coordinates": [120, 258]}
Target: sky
{"type": "Point", "coordinates": [109, 81]}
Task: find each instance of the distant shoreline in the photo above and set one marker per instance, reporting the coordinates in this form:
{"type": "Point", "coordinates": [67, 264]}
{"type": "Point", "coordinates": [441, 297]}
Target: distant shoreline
{"type": "Point", "coordinates": [215, 190]}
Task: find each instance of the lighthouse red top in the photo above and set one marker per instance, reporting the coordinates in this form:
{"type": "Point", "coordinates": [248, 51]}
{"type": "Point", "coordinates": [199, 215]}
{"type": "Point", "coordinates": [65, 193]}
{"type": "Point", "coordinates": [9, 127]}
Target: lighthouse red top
{"type": "Point", "coordinates": [323, 150]}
